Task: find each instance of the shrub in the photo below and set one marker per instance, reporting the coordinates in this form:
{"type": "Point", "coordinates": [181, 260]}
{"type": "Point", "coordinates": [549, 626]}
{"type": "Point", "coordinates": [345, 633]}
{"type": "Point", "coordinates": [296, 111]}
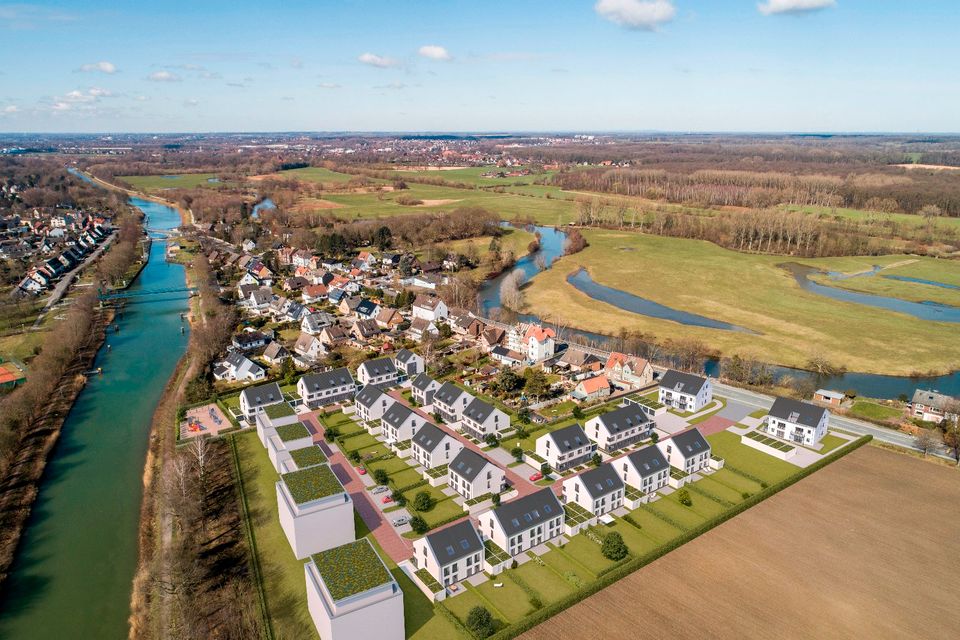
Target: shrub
{"type": "Point", "coordinates": [745, 495]}
{"type": "Point", "coordinates": [496, 499]}
{"type": "Point", "coordinates": [684, 497]}
{"type": "Point", "coordinates": [480, 622]}
{"type": "Point", "coordinates": [330, 434]}
{"type": "Point", "coordinates": [422, 501]}
{"type": "Point", "coordinates": [536, 603]}
{"type": "Point", "coordinates": [491, 439]}
{"type": "Point", "coordinates": [513, 565]}
{"type": "Point", "coordinates": [380, 476]}
{"type": "Point", "coordinates": [613, 547]}
{"type": "Point", "coordinates": [399, 499]}
{"type": "Point", "coordinates": [419, 525]}
{"type": "Point", "coordinates": [654, 437]}
{"type": "Point", "coordinates": [578, 412]}
{"type": "Point", "coordinates": [596, 460]}
{"type": "Point", "coordinates": [355, 457]}
{"type": "Point", "coordinates": [544, 468]}
{"type": "Point", "coordinates": [517, 453]}
{"type": "Point", "coordinates": [407, 201]}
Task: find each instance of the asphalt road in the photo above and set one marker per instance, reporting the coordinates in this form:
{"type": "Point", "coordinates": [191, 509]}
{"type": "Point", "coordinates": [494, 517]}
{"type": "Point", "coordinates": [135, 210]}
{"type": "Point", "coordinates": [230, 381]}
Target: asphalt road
{"type": "Point", "coordinates": [64, 283]}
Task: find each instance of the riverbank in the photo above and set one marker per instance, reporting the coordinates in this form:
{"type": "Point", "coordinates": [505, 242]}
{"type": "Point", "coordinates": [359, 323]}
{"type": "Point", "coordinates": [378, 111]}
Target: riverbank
{"type": "Point", "coordinates": [186, 216]}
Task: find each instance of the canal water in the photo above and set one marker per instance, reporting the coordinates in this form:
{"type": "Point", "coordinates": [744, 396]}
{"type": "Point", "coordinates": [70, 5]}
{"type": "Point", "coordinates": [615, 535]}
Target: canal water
{"type": "Point", "coordinates": [73, 573]}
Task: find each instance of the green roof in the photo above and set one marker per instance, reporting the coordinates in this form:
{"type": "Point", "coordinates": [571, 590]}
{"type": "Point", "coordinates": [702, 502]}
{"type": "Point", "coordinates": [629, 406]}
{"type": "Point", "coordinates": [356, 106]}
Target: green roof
{"type": "Point", "coordinates": [307, 485]}
{"type": "Point", "coordinates": [351, 569]}
{"type": "Point", "coordinates": [308, 457]}
{"type": "Point", "coordinates": [279, 410]}
{"type": "Point", "coordinates": [288, 432]}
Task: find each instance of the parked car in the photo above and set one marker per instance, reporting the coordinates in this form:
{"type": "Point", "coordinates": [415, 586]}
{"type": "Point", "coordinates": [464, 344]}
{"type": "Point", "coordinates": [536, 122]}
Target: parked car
{"type": "Point", "coordinates": [536, 476]}
{"type": "Point", "coordinates": [379, 489]}
{"type": "Point", "coordinates": [361, 471]}
{"type": "Point", "coordinates": [386, 499]}
{"type": "Point", "coordinates": [402, 520]}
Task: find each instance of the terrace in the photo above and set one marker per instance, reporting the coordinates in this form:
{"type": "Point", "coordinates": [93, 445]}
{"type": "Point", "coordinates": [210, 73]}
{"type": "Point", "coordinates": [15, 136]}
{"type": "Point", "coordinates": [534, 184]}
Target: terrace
{"type": "Point", "coordinates": [779, 445]}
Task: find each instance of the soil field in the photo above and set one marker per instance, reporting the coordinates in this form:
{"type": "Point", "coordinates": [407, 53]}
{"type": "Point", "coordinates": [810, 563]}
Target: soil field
{"type": "Point", "coordinates": [853, 551]}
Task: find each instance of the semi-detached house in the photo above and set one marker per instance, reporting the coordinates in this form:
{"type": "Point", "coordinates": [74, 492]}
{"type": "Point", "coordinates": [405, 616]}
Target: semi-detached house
{"type": "Point", "coordinates": [471, 475]}
{"type": "Point", "coordinates": [797, 421]}
{"type": "Point", "coordinates": [399, 422]}
{"type": "Point", "coordinates": [599, 490]}
{"type": "Point", "coordinates": [619, 428]}
{"type": "Point", "coordinates": [566, 447]}
{"type": "Point", "coordinates": [524, 523]}
{"type": "Point", "coordinates": [371, 403]}
{"type": "Point", "coordinates": [646, 469]}
{"type": "Point", "coordinates": [481, 419]}
{"type": "Point", "coordinates": [329, 387]}
{"type": "Point", "coordinates": [423, 387]}
{"type": "Point", "coordinates": [380, 372]}
{"type": "Point", "coordinates": [433, 447]}
{"type": "Point", "coordinates": [685, 391]}
{"type": "Point", "coordinates": [688, 450]}
{"type": "Point", "coordinates": [450, 401]}
{"type": "Point", "coordinates": [450, 554]}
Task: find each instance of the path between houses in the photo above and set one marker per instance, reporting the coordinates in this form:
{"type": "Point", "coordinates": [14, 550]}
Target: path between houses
{"type": "Point", "coordinates": [395, 545]}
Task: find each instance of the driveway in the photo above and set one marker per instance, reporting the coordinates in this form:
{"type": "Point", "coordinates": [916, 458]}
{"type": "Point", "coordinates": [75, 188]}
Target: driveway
{"type": "Point", "coordinates": [670, 423]}
{"type": "Point", "coordinates": [736, 411]}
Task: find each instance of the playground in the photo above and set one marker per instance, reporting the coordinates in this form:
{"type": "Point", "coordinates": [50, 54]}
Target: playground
{"type": "Point", "coordinates": [208, 420]}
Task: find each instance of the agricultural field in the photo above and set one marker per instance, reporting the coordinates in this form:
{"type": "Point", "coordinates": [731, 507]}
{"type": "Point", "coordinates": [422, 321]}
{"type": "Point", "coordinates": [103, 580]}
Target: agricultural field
{"type": "Point", "coordinates": [152, 184]}
{"type": "Point", "coordinates": [747, 290]}
{"type": "Point", "coordinates": [815, 582]}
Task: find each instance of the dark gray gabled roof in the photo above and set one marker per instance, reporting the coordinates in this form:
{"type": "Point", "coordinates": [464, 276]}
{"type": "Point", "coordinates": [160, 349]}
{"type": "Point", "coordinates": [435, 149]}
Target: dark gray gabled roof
{"type": "Point", "coordinates": [448, 393]}
{"type": "Point", "coordinates": [328, 379]}
{"type": "Point", "coordinates": [690, 443]}
{"type": "Point", "coordinates": [479, 410]}
{"type": "Point", "coordinates": [521, 514]}
{"type": "Point", "coordinates": [797, 412]}
{"type": "Point", "coordinates": [404, 356]}
{"type": "Point", "coordinates": [601, 481]}
{"type": "Point", "coordinates": [423, 382]}
{"type": "Point", "coordinates": [454, 542]}
{"type": "Point", "coordinates": [262, 395]}
{"type": "Point", "coordinates": [570, 438]}
{"type": "Point", "coordinates": [369, 396]}
{"type": "Point", "coordinates": [648, 461]}
{"type": "Point", "coordinates": [934, 399]}
{"type": "Point", "coordinates": [397, 414]}
{"type": "Point", "coordinates": [366, 307]}
{"type": "Point", "coordinates": [379, 367]}
{"type": "Point", "coordinates": [468, 464]}
{"type": "Point", "coordinates": [682, 382]}
{"type": "Point", "coordinates": [624, 418]}
{"type": "Point", "coordinates": [429, 436]}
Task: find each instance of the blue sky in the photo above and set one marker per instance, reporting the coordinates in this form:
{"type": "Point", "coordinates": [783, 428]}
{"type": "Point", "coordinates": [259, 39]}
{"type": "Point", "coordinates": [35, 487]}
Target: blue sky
{"type": "Point", "coordinates": [574, 65]}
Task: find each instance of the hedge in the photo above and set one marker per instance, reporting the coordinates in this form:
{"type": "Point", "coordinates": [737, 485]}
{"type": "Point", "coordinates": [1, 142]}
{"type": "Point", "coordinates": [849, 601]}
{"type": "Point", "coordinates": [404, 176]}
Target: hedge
{"type": "Point", "coordinates": [416, 484]}
{"type": "Point", "coordinates": [621, 571]}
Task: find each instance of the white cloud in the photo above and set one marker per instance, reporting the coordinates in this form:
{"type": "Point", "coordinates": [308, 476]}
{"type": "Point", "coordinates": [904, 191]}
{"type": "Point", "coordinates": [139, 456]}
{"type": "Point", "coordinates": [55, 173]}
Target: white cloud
{"type": "Point", "coordinates": [30, 16]}
{"type": "Point", "coordinates": [645, 15]}
{"type": "Point", "coordinates": [393, 86]}
{"type": "Point", "coordinates": [191, 102]}
{"type": "Point", "coordinates": [374, 60]}
{"type": "Point", "coordinates": [328, 85]}
{"type": "Point", "coordinates": [435, 52]}
{"type": "Point", "coordinates": [163, 76]}
{"type": "Point", "coordinates": [12, 108]}
{"type": "Point", "coordinates": [97, 92]}
{"type": "Point", "coordinates": [776, 7]}
{"type": "Point", "coordinates": [103, 66]}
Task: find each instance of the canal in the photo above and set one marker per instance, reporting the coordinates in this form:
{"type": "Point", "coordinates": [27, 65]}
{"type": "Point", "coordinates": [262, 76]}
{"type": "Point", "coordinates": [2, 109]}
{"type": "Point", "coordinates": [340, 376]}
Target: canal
{"type": "Point", "coordinates": [73, 573]}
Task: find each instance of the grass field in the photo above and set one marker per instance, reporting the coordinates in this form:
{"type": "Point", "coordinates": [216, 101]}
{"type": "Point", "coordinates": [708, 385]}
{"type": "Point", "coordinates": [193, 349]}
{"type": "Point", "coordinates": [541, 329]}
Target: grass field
{"type": "Point", "coordinates": [173, 181]}
{"type": "Point", "coordinates": [874, 411]}
{"type": "Point", "coordinates": [818, 578]}
{"type": "Point", "coordinates": [933, 269]}
{"type": "Point", "coordinates": [473, 176]}
{"type": "Point", "coordinates": [751, 291]}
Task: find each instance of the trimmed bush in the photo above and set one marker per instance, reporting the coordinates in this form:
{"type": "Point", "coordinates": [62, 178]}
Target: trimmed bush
{"type": "Point", "coordinates": [683, 496]}
{"type": "Point", "coordinates": [423, 501]}
{"type": "Point", "coordinates": [419, 525]}
{"type": "Point", "coordinates": [613, 547]}
{"type": "Point", "coordinates": [480, 622]}
{"type": "Point", "coordinates": [380, 476]}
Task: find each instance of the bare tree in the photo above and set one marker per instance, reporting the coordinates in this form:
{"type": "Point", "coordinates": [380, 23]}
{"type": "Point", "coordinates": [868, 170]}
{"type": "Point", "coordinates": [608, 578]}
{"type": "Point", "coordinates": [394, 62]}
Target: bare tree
{"type": "Point", "coordinates": [926, 441]}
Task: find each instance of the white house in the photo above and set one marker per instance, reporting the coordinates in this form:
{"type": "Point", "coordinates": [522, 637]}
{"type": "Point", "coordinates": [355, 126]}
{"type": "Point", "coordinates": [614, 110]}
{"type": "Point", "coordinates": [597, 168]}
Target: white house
{"type": "Point", "coordinates": [316, 513]}
{"type": "Point", "coordinates": [329, 387]}
{"type": "Point", "coordinates": [538, 343]}
{"type": "Point", "coordinates": [309, 346]}
{"type": "Point", "coordinates": [450, 401]}
{"type": "Point", "coordinates": [351, 594]}
{"type": "Point", "coordinates": [628, 370]}
{"type": "Point", "coordinates": [253, 400]}
{"type": "Point", "coordinates": [480, 419]}
{"type": "Point", "coordinates": [287, 438]}
{"type": "Point", "coordinates": [471, 475]}
{"type": "Point", "coordinates": [237, 366]}
{"type": "Point", "coordinates": [380, 372]}
{"type": "Point", "coordinates": [268, 423]}
{"type": "Point", "coordinates": [450, 554]}
{"type": "Point", "coordinates": [797, 421]}
{"type": "Point", "coordinates": [619, 428]}
{"type": "Point", "coordinates": [688, 450]}
{"type": "Point", "coordinates": [524, 523]}
{"type": "Point", "coordinates": [645, 469]}
{"type": "Point", "coordinates": [599, 490]}
{"type": "Point", "coordinates": [400, 422]}
{"type": "Point", "coordinates": [423, 388]}
{"type": "Point", "coordinates": [566, 447]}
{"type": "Point", "coordinates": [408, 363]}
{"type": "Point", "coordinates": [429, 308]}
{"type": "Point", "coordinates": [371, 403]}
{"type": "Point", "coordinates": [432, 447]}
{"type": "Point", "coordinates": [685, 391]}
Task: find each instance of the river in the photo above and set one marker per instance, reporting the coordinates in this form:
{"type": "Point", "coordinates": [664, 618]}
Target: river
{"type": "Point", "coordinates": [73, 573]}
{"type": "Point", "coordinates": [867, 384]}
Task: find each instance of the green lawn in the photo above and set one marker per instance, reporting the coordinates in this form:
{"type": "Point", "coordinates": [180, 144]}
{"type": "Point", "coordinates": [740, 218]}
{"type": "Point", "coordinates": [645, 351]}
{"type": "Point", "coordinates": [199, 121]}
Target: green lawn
{"type": "Point", "coordinates": [653, 526]}
{"type": "Point", "coordinates": [874, 411]}
{"type": "Point", "coordinates": [831, 442]}
{"type": "Point", "coordinates": [734, 481]}
{"type": "Point", "coordinates": [444, 507]}
{"type": "Point", "coordinates": [511, 602]}
{"type": "Point", "coordinates": [740, 457]}
{"type": "Point", "coordinates": [933, 269]}
{"type": "Point", "coordinates": [173, 181]}
{"type": "Point", "coordinates": [319, 175]}
{"type": "Point", "coordinates": [542, 579]}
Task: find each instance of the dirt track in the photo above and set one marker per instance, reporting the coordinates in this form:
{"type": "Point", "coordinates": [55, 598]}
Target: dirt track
{"type": "Point", "coordinates": [866, 548]}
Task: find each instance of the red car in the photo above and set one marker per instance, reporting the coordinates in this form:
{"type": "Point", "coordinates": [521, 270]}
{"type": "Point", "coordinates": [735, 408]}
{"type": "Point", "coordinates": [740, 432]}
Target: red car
{"type": "Point", "coordinates": [386, 500]}
{"type": "Point", "coordinates": [361, 471]}
{"type": "Point", "coordinates": [536, 476]}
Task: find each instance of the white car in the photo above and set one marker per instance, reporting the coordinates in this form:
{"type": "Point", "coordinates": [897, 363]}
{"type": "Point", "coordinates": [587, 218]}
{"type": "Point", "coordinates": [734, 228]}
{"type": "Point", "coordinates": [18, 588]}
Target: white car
{"type": "Point", "coordinates": [402, 520]}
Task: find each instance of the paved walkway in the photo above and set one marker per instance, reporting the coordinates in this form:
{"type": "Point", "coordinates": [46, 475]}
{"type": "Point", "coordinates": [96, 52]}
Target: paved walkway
{"type": "Point", "coordinates": [714, 424]}
{"type": "Point", "coordinates": [395, 545]}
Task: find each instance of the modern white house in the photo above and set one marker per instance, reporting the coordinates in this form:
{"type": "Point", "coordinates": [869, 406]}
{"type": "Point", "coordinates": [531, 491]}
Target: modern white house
{"type": "Point", "coordinates": [316, 513]}
{"type": "Point", "coordinates": [400, 422]}
{"type": "Point", "coordinates": [408, 363]}
{"type": "Point", "coordinates": [599, 490]}
{"type": "Point", "coordinates": [797, 421]}
{"type": "Point", "coordinates": [524, 523]}
{"type": "Point", "coordinates": [380, 372]}
{"type": "Point", "coordinates": [329, 387]}
{"type": "Point", "coordinates": [619, 428]}
{"type": "Point", "coordinates": [450, 554]}
{"type": "Point", "coordinates": [429, 308]}
{"type": "Point", "coordinates": [267, 422]}
{"type": "Point", "coordinates": [237, 366]}
{"type": "Point", "coordinates": [351, 594]}
{"type": "Point", "coordinates": [646, 469]}
{"type": "Point", "coordinates": [287, 438]}
{"type": "Point", "coordinates": [254, 400]}
{"type": "Point", "coordinates": [685, 391]}
{"type": "Point", "coordinates": [480, 419]}
{"type": "Point", "coordinates": [471, 475]}
{"type": "Point", "coordinates": [566, 447]}
{"type": "Point", "coordinates": [450, 401]}
{"type": "Point", "coordinates": [423, 388]}
{"type": "Point", "coordinates": [432, 447]}
{"type": "Point", "coordinates": [688, 450]}
{"type": "Point", "coordinates": [371, 403]}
